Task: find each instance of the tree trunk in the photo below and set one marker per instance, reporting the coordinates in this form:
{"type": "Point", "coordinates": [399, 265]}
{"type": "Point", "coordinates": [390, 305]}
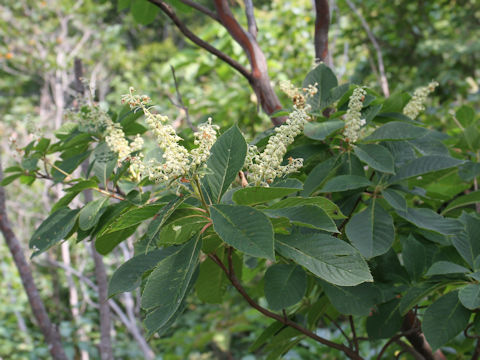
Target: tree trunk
{"type": "Point", "coordinates": [52, 337]}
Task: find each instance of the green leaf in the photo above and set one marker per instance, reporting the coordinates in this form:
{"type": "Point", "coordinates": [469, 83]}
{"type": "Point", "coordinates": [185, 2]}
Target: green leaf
{"type": "Point", "coordinates": [329, 258]}
{"type": "Point", "coordinates": [318, 175]}
{"type": "Point", "coordinates": [466, 240]}
{"type": "Point", "coordinates": [385, 321]}
{"type": "Point", "coordinates": [353, 300]}
{"type": "Point", "coordinates": [285, 285]}
{"type": "Point", "coordinates": [311, 216]}
{"type": "Point", "coordinates": [325, 81]}
{"type": "Point", "coordinates": [181, 230]}
{"type": "Point", "coordinates": [446, 267]}
{"type": "Point", "coordinates": [54, 229]}
{"type": "Point", "coordinates": [258, 194]}
{"type": "Point", "coordinates": [444, 319]}
{"type": "Point", "coordinates": [246, 229]}
{"type": "Point", "coordinates": [104, 162]}
{"type": "Point", "coordinates": [129, 275]}
{"type": "Point", "coordinates": [424, 165]}
{"type": "Point", "coordinates": [396, 130]}
{"type": "Point", "coordinates": [395, 199]}
{"type": "Point", "coordinates": [83, 185]}
{"type": "Point", "coordinates": [371, 231]}
{"type": "Point", "coordinates": [91, 213]}
{"type": "Point", "coordinates": [464, 200]}
{"type": "Point", "coordinates": [134, 217]}
{"type": "Point", "coordinates": [7, 180]}
{"type": "Point", "coordinates": [143, 11]}
{"type": "Point", "coordinates": [320, 131]}
{"type": "Point", "coordinates": [375, 156]}
{"type": "Point", "coordinates": [107, 241]}
{"type": "Point", "coordinates": [226, 160]}
{"type": "Point", "coordinates": [465, 115]}
{"type": "Point", "coordinates": [212, 282]}
{"type": "Point", "coordinates": [156, 224]}
{"type": "Point", "coordinates": [123, 4]}
{"type": "Point", "coordinates": [167, 285]}
{"type": "Point", "coordinates": [414, 257]}
{"type": "Point", "coordinates": [416, 293]}
{"type": "Point", "coordinates": [470, 296]}
{"type": "Point", "coordinates": [428, 219]}
{"type": "Point", "coordinates": [345, 182]}
{"type": "Point", "coordinates": [325, 204]}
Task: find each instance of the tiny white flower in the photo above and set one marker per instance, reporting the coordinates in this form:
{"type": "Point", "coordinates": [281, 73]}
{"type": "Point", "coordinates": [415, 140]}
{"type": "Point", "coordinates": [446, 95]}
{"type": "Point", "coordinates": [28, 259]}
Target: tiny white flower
{"type": "Point", "coordinates": [416, 103]}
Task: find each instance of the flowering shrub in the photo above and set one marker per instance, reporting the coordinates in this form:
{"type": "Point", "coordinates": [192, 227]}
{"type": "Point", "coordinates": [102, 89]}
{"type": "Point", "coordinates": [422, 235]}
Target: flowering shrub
{"type": "Point", "coordinates": [346, 211]}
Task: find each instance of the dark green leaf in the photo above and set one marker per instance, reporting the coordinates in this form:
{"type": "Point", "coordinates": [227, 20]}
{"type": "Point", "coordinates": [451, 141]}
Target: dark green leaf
{"type": "Point", "coordinates": [104, 162]}
{"type": "Point", "coordinates": [414, 257]}
{"type": "Point", "coordinates": [329, 258]}
{"type": "Point", "coordinates": [428, 219]}
{"type": "Point", "coordinates": [464, 200]}
{"type": "Point", "coordinates": [325, 81]}
{"type": "Point", "coordinates": [226, 160]}
{"type": "Point", "coordinates": [416, 293]}
{"type": "Point", "coordinates": [320, 131]}
{"type": "Point", "coordinates": [168, 283]}
{"type": "Point", "coordinates": [385, 321]}
{"type": "Point", "coordinates": [54, 229]}
{"type": "Point", "coordinates": [134, 217]}
{"type": "Point", "coordinates": [244, 228]}
{"type": "Point", "coordinates": [285, 285]}
{"type": "Point", "coordinates": [310, 216]}
{"type": "Point", "coordinates": [470, 296]}
{"type": "Point", "coordinates": [396, 130]}
{"type": "Point", "coordinates": [345, 182]}
{"type": "Point", "coordinates": [444, 319]}
{"type": "Point", "coordinates": [129, 275]}
{"type": "Point", "coordinates": [376, 156]}
{"type": "Point", "coordinates": [7, 180]}
{"type": "Point", "coordinates": [181, 230]}
{"type": "Point", "coordinates": [91, 213]}
{"type": "Point", "coordinates": [143, 11]}
{"type": "Point", "coordinates": [106, 242]}
{"type": "Point", "coordinates": [318, 175]}
{"type": "Point", "coordinates": [212, 282]}
{"type": "Point", "coordinates": [353, 300]}
{"type": "Point", "coordinates": [395, 199]}
{"type": "Point", "coordinates": [424, 165]}
{"type": "Point", "coordinates": [371, 231]}
{"type": "Point", "coordinates": [446, 267]}
{"type": "Point", "coordinates": [258, 195]}
{"type": "Point", "coordinates": [325, 204]}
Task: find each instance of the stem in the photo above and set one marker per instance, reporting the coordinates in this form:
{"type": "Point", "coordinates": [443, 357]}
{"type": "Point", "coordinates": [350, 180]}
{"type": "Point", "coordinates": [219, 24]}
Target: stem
{"type": "Point", "coordinates": [354, 334]}
{"type": "Point", "coordinates": [286, 321]}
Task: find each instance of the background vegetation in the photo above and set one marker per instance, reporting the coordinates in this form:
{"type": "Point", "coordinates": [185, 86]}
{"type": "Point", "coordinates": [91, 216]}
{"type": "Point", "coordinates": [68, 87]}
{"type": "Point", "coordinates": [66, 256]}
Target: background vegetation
{"type": "Point", "coordinates": [119, 47]}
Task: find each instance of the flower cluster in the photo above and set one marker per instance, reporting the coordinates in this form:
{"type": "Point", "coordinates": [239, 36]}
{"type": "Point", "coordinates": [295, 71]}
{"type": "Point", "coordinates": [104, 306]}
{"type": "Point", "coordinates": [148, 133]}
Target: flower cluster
{"type": "Point", "coordinates": [415, 105]}
{"type": "Point", "coordinates": [264, 167]}
{"type": "Point", "coordinates": [298, 96]}
{"type": "Point", "coordinates": [353, 117]}
{"type": "Point", "coordinates": [177, 161]}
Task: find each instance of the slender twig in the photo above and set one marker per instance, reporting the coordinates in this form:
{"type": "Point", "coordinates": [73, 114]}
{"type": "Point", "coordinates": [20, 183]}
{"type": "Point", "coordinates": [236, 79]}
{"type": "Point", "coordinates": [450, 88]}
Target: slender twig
{"type": "Point", "coordinates": [180, 104]}
{"type": "Point", "coordinates": [407, 348]}
{"type": "Point", "coordinates": [235, 282]}
{"type": "Point", "coordinates": [201, 8]}
{"type": "Point", "coordinates": [252, 24]}
{"type": "Point", "coordinates": [167, 10]}
{"type": "Point", "coordinates": [337, 325]}
{"type": "Point", "coordinates": [354, 334]}
{"type": "Point", "coordinates": [378, 49]}
{"type": "Point", "coordinates": [476, 352]}
{"type": "Point", "coordinates": [394, 339]}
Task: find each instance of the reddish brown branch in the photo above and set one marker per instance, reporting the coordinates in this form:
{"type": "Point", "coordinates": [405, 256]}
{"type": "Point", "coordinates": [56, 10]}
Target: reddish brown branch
{"type": "Point", "coordinates": [322, 23]}
{"type": "Point", "coordinates": [284, 320]}
{"type": "Point", "coordinates": [354, 334]}
{"type": "Point", "coordinates": [167, 10]}
{"type": "Point", "coordinates": [252, 24]}
{"type": "Point", "coordinates": [259, 79]}
{"type": "Point", "coordinates": [411, 326]}
{"type": "Point", "coordinates": [52, 337]}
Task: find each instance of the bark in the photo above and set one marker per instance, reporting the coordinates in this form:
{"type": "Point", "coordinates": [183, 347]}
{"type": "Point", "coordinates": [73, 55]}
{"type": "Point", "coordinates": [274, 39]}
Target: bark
{"type": "Point", "coordinates": [322, 23]}
{"type": "Point", "coordinates": [52, 337]}
{"type": "Point", "coordinates": [417, 339]}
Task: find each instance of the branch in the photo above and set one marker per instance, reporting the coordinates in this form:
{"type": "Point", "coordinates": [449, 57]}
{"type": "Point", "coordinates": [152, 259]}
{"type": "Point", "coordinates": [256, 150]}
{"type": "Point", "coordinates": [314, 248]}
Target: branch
{"type": "Point", "coordinates": [179, 103]}
{"type": "Point", "coordinates": [201, 8]}
{"type": "Point", "coordinates": [52, 337]}
{"type": "Point", "coordinates": [167, 10]}
{"type": "Point", "coordinates": [252, 24]}
{"type": "Point", "coordinates": [337, 325]}
{"type": "Point", "coordinates": [381, 67]}
{"type": "Point", "coordinates": [354, 334]}
{"type": "Point", "coordinates": [284, 320]}
{"type": "Point", "coordinates": [322, 23]}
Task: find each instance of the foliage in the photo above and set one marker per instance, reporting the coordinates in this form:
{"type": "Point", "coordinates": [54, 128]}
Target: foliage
{"type": "Point", "coordinates": [365, 229]}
